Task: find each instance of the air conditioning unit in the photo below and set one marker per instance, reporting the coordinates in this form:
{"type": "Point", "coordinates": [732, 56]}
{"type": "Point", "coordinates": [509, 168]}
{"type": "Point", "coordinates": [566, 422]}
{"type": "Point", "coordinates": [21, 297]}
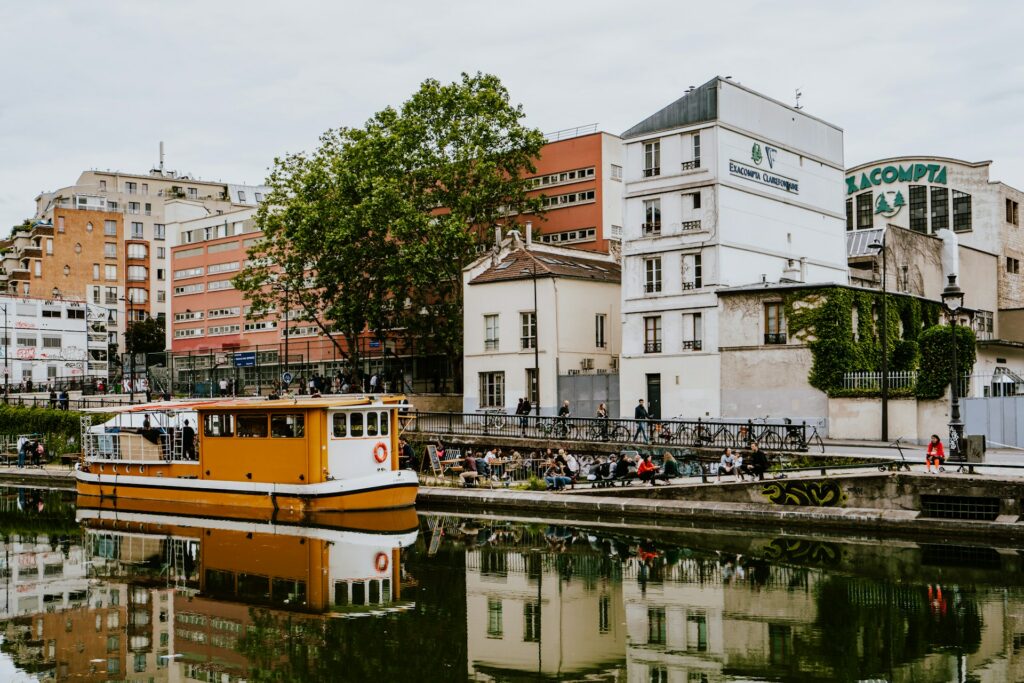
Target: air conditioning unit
{"type": "Point", "coordinates": [587, 364]}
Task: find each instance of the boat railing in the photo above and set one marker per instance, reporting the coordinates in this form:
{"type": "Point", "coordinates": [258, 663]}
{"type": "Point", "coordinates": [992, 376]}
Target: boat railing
{"type": "Point", "coordinates": [133, 445]}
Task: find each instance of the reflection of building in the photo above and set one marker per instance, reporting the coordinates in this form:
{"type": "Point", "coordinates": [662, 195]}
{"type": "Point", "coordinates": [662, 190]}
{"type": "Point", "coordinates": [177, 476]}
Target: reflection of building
{"type": "Point", "coordinates": [525, 616]}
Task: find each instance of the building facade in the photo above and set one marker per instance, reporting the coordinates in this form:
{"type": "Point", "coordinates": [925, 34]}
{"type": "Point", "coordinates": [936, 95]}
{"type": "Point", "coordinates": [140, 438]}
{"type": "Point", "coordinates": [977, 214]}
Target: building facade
{"type": "Point", "coordinates": [722, 187]}
{"type": "Point", "coordinates": [534, 313]}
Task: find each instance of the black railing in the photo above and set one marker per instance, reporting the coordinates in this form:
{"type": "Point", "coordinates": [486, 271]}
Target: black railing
{"type": "Point", "coordinates": [692, 345]}
{"type": "Point", "coordinates": [652, 228]}
{"type": "Point", "coordinates": [652, 347]}
{"type": "Point", "coordinates": [651, 287]}
{"type": "Point", "coordinates": [689, 165]}
{"type": "Point", "coordinates": [780, 436]}
{"type": "Point", "coordinates": [775, 338]}
{"type": "Point", "coordinates": [691, 285]}
{"type": "Point", "coordinates": [652, 171]}
{"type": "Point", "coordinates": [690, 225]}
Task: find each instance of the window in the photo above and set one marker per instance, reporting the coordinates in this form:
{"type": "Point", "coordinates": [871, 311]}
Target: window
{"type": "Point", "coordinates": [652, 334]}
{"type": "Point", "coordinates": [110, 295]}
{"type": "Point", "coordinates": [103, 186]}
{"type": "Point", "coordinates": [161, 252]}
{"type": "Point", "coordinates": [356, 425]}
{"type": "Point", "coordinates": [865, 219]}
{"type": "Point", "coordinates": [600, 340]}
{"type": "Point", "coordinates": [60, 223]}
{"type": "Point", "coordinates": [961, 211]}
{"type": "Point", "coordinates": [696, 150]}
{"type": "Point", "coordinates": [38, 267]}
{"type": "Point", "coordinates": [652, 274]}
{"type": "Point", "coordinates": [220, 330]}
{"type": "Point", "coordinates": [652, 217]}
{"type": "Point", "coordinates": [110, 250]}
{"type": "Point", "coordinates": [109, 272]}
{"type": "Point", "coordinates": [252, 426]}
{"type": "Point", "coordinates": [616, 172]}
{"type": "Point", "coordinates": [136, 273]}
{"type": "Point", "coordinates": [223, 312]}
{"type": "Point", "coordinates": [919, 208]}
{"type": "Point", "coordinates": [340, 423]}
{"type": "Point", "coordinates": [185, 273]}
{"type": "Point", "coordinates": [697, 631]}
{"type": "Point", "coordinates": [188, 315]}
{"type": "Point", "coordinates": [580, 235]}
{"type": "Point", "coordinates": [49, 246]}
{"type": "Point", "coordinates": [940, 208]}
{"type": "Point", "coordinates": [491, 333]}
{"type": "Point", "coordinates": [161, 274]}
{"type": "Point", "coordinates": [371, 424]}
{"type": "Point", "coordinates": [26, 341]}
{"type": "Point", "coordinates": [131, 188]}
{"type": "Point", "coordinates": [218, 425]}
{"type": "Point", "coordinates": [158, 231]}
{"type": "Point", "coordinates": [161, 296]}
{"type": "Point", "coordinates": [52, 313]}
{"type": "Point", "coordinates": [137, 251]}
{"type": "Point", "coordinates": [51, 342]}
{"type": "Point", "coordinates": [531, 385]}
{"type": "Point", "coordinates": [774, 323]}
{"type": "Point", "coordinates": [110, 228]}
{"type": "Point", "coordinates": [531, 622]}
{"type": "Point", "coordinates": [219, 285]}
{"type": "Point", "coordinates": [563, 177]}
{"type": "Point", "coordinates": [692, 271]}
{"type": "Point", "coordinates": [656, 625]}
{"type": "Point", "coordinates": [528, 325]}
{"type": "Point", "coordinates": [1012, 265]}
{"type": "Point", "coordinates": [136, 231]}
{"type": "Point", "coordinates": [492, 389]}
{"type": "Point", "coordinates": [196, 288]}
{"type": "Point", "coordinates": [134, 207]}
{"type": "Point", "coordinates": [259, 196]}
{"type": "Point", "coordinates": [193, 193]}
{"type": "Point", "coordinates": [560, 200]}
{"type": "Point", "coordinates": [652, 159]}
{"type": "Point", "coordinates": [849, 214]}
{"type": "Point", "coordinates": [1012, 212]}
{"type": "Point", "coordinates": [241, 196]}
{"type": "Point", "coordinates": [983, 325]}
{"type": "Point", "coordinates": [214, 268]}
{"type": "Point", "coordinates": [693, 332]}
{"type": "Point", "coordinates": [138, 296]}
{"type": "Point", "coordinates": [261, 326]}
{"type": "Point", "coordinates": [695, 198]}
{"type": "Point", "coordinates": [288, 426]}
{"type": "Point", "coordinates": [495, 628]}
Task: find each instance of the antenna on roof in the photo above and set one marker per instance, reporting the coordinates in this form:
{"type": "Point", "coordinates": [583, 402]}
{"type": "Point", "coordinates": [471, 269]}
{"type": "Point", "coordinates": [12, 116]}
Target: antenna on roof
{"type": "Point", "coordinates": [798, 96]}
{"type": "Point", "coordinates": [161, 157]}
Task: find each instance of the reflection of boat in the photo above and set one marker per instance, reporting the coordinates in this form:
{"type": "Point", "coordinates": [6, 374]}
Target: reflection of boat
{"type": "Point", "coordinates": [297, 456]}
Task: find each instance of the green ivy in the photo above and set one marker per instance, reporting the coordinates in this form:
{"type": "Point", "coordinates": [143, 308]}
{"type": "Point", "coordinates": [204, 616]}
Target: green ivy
{"type": "Point", "coordinates": [823, 318]}
{"type": "Point", "coordinates": [61, 428]}
{"type": "Point", "coordinates": [937, 358]}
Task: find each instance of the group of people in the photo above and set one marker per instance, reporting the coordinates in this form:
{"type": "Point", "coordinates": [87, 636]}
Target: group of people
{"type": "Point", "coordinates": [754, 465]}
{"type": "Point", "coordinates": [31, 449]}
{"type": "Point", "coordinates": [59, 400]}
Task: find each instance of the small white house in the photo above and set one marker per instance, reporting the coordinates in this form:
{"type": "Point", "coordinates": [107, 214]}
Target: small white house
{"type": "Point", "coordinates": [535, 310]}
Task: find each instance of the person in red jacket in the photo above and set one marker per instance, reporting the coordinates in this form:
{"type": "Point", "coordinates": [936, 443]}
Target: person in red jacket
{"type": "Point", "coordinates": [646, 471]}
{"type": "Point", "coordinates": [934, 455]}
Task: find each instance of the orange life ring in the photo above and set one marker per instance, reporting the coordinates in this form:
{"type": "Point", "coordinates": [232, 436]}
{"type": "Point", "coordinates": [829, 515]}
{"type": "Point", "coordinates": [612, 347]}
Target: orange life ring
{"type": "Point", "coordinates": [380, 452]}
{"type": "Point", "coordinates": [381, 561]}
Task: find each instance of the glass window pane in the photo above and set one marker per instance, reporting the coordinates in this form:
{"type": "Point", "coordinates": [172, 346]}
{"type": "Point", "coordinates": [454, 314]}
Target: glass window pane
{"type": "Point", "coordinates": [356, 425]}
{"type": "Point", "coordinates": [218, 425]}
{"type": "Point", "coordinates": [252, 426]}
{"type": "Point", "coordinates": [340, 425]}
{"type": "Point", "coordinates": [288, 426]}
{"type": "Point", "coordinates": [371, 424]}
{"type": "Point", "coordinates": [383, 424]}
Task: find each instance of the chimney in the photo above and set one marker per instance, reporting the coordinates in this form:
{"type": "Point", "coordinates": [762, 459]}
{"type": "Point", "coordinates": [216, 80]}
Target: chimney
{"type": "Point", "coordinates": [161, 157]}
{"type": "Point", "coordinates": [497, 236]}
{"type": "Point", "coordinates": [529, 234]}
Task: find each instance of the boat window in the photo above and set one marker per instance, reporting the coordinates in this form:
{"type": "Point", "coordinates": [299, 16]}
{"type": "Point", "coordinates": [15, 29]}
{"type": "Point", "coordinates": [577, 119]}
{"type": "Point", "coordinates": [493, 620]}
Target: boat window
{"type": "Point", "coordinates": [356, 426]}
{"type": "Point", "coordinates": [288, 426]}
{"type": "Point", "coordinates": [384, 424]}
{"type": "Point", "coordinates": [218, 425]}
{"type": "Point", "coordinates": [371, 424]}
{"type": "Point", "coordinates": [340, 425]}
{"type": "Point", "coordinates": [252, 426]}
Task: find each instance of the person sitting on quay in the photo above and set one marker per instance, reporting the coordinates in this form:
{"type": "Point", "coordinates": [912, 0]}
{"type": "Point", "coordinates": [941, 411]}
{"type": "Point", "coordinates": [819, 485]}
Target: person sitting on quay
{"type": "Point", "coordinates": [669, 468]}
{"type": "Point", "coordinates": [727, 464]}
{"type": "Point", "coordinates": [555, 477]}
{"type": "Point", "coordinates": [469, 470]}
{"type": "Point", "coordinates": [647, 471]}
{"type": "Point", "coordinates": [624, 469]}
{"type": "Point", "coordinates": [935, 455]}
{"type": "Point", "coordinates": [739, 467]}
{"type": "Point", "coordinates": [757, 464]}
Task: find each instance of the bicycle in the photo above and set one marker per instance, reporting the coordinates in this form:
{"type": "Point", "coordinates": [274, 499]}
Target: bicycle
{"type": "Point", "coordinates": [796, 439]}
{"type": "Point", "coordinates": [608, 431]}
{"type": "Point", "coordinates": [701, 436]}
{"type": "Point", "coordinates": [494, 419]}
{"type": "Point", "coordinates": [768, 438]}
{"type": "Point", "coordinates": [557, 428]}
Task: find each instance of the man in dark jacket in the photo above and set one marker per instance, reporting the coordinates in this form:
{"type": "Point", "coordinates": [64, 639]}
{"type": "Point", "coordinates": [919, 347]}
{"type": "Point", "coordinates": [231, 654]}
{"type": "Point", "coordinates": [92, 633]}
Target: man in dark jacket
{"type": "Point", "coordinates": [757, 463]}
{"type": "Point", "coordinates": [640, 414]}
{"type": "Point", "coordinates": [188, 442]}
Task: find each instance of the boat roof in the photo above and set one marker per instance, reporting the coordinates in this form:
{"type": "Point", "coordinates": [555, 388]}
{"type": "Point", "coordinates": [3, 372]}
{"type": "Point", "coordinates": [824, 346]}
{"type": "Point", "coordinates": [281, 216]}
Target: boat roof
{"type": "Point", "coordinates": [213, 404]}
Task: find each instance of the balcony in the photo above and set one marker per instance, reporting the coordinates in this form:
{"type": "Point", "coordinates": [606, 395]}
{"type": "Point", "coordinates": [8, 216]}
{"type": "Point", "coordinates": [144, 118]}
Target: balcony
{"type": "Point", "coordinates": [690, 225]}
{"type": "Point", "coordinates": [692, 345]}
{"type": "Point", "coordinates": [690, 285]}
{"type": "Point", "coordinates": [690, 165]}
{"type": "Point", "coordinates": [652, 171]}
{"type": "Point", "coordinates": [490, 345]}
{"type": "Point", "coordinates": [775, 338]}
{"type": "Point", "coordinates": [652, 347]}
{"type": "Point", "coordinates": [32, 252]}
{"type": "Point", "coordinates": [21, 274]}
{"type": "Point", "coordinates": [651, 228]}
{"type": "Point", "coordinates": [45, 230]}
{"type": "Point", "coordinates": [652, 287]}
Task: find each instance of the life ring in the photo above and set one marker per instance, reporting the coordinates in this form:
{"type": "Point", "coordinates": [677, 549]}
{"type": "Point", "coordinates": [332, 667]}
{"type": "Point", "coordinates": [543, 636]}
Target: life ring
{"type": "Point", "coordinates": [380, 452]}
{"type": "Point", "coordinates": [381, 562]}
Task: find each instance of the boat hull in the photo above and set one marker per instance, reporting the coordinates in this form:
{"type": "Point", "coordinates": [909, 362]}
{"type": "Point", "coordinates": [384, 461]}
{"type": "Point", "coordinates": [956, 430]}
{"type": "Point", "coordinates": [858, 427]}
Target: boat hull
{"type": "Point", "coordinates": [385, 491]}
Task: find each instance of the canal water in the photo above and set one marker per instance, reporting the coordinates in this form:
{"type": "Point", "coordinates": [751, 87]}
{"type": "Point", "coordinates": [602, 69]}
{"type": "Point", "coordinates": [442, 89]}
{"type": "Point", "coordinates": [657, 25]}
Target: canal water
{"type": "Point", "coordinates": [103, 594]}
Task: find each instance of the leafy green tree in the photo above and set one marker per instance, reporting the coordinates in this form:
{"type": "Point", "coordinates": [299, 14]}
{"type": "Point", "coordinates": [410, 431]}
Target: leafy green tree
{"type": "Point", "coordinates": [145, 336]}
{"type": "Point", "coordinates": [936, 368]}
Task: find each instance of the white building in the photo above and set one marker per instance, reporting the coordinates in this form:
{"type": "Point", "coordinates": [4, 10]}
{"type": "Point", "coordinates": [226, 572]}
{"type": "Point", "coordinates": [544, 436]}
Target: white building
{"type": "Point", "coordinates": [534, 308]}
{"type": "Point", "coordinates": [51, 340]}
{"type": "Point", "coordinates": [723, 187]}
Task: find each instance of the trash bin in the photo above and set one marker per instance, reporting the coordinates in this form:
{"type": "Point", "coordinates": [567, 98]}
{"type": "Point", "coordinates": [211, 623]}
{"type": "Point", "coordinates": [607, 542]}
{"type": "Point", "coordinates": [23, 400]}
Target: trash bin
{"type": "Point", "coordinates": [974, 448]}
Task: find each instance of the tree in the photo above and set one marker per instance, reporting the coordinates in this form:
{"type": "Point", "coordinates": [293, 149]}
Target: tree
{"type": "Point", "coordinates": [372, 229]}
{"type": "Point", "coordinates": [936, 369]}
{"type": "Point", "coordinates": [145, 336]}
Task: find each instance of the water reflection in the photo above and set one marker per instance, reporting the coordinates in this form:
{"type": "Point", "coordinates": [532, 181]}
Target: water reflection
{"type": "Point", "coordinates": [99, 594]}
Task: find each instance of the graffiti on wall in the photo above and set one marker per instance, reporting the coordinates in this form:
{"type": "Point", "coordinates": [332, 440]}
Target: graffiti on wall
{"type": "Point", "coordinates": [825, 493]}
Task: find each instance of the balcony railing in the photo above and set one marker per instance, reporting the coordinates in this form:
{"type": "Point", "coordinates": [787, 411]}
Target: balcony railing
{"type": "Point", "coordinates": [690, 225]}
{"type": "Point", "coordinates": [775, 338]}
{"type": "Point", "coordinates": [692, 345]}
{"type": "Point", "coordinates": [528, 343]}
{"type": "Point", "coordinates": [652, 287]}
{"type": "Point", "coordinates": [690, 165]}
{"type": "Point", "coordinates": [652, 347]}
{"type": "Point", "coordinates": [652, 228]}
{"type": "Point", "coordinates": [690, 285]}
{"type": "Point", "coordinates": [490, 345]}
{"type": "Point", "coordinates": [652, 171]}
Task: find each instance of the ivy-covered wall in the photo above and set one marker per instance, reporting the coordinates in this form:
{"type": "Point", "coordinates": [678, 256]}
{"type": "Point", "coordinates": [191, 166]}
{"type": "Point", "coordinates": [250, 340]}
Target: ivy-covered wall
{"type": "Point", "coordinates": [843, 329]}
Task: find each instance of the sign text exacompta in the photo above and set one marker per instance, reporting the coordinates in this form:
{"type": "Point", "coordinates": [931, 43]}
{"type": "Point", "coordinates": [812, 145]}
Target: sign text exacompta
{"type": "Point", "coordinates": [911, 173]}
{"type": "Point", "coordinates": [764, 177]}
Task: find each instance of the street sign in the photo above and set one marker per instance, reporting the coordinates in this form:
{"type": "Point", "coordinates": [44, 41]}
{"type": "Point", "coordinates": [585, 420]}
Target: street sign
{"type": "Point", "coordinates": [286, 377]}
{"type": "Point", "coordinates": [245, 359]}
{"type": "Point", "coordinates": [374, 344]}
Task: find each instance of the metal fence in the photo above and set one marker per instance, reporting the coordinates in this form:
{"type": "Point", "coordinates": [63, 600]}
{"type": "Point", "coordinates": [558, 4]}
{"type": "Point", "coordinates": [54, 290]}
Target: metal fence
{"type": "Point", "coordinates": [900, 379]}
{"type": "Point", "coordinates": [102, 401]}
{"type": "Point", "coordinates": [770, 435]}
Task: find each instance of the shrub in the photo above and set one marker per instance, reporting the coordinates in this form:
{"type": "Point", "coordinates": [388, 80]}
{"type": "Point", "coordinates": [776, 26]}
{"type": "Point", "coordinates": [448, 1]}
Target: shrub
{"type": "Point", "coordinates": [936, 368]}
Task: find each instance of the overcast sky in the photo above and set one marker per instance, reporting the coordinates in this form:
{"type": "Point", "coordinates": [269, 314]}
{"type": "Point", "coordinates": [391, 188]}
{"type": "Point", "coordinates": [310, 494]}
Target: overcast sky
{"type": "Point", "coordinates": [229, 85]}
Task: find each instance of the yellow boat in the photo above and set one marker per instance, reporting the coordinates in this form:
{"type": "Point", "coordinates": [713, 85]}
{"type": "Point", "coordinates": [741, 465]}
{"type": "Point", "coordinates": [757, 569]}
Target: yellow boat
{"type": "Point", "coordinates": [295, 456]}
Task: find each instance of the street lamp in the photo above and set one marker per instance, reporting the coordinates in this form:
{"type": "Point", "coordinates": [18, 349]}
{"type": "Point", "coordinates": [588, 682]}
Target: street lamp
{"type": "Point", "coordinates": [536, 332]}
{"type": "Point", "coordinates": [884, 338]}
{"type": "Point", "coordinates": [953, 301]}
{"type": "Point", "coordinates": [131, 347]}
{"type": "Point", "coordinates": [7, 342]}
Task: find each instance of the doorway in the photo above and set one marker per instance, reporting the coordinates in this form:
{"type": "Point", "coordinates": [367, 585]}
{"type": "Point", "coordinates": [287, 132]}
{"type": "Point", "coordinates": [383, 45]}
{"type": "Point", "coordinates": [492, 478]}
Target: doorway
{"type": "Point", "coordinates": [654, 395]}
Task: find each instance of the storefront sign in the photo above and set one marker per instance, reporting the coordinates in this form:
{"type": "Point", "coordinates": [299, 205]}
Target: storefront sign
{"type": "Point", "coordinates": [763, 177]}
{"type": "Point", "coordinates": [911, 173]}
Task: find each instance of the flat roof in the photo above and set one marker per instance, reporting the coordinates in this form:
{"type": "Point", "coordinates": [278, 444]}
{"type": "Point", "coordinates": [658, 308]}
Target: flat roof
{"type": "Point", "coordinates": [206, 404]}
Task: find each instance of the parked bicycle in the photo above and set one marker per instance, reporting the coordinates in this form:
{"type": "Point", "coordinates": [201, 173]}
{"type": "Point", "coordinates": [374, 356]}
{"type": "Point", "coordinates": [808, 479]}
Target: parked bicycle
{"type": "Point", "coordinates": [702, 436]}
{"type": "Point", "coordinates": [494, 419]}
{"type": "Point", "coordinates": [603, 430]}
{"type": "Point", "coordinates": [554, 428]}
{"type": "Point", "coordinates": [760, 431]}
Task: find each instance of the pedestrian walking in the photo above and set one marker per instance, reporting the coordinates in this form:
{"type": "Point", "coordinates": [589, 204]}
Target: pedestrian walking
{"type": "Point", "coordinates": [640, 414]}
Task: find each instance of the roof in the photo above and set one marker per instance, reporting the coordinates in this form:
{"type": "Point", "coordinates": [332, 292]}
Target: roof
{"type": "Point", "coordinates": [522, 263]}
{"type": "Point", "coordinates": [696, 106]}
{"type": "Point", "coordinates": [858, 242]}
{"type": "Point", "coordinates": [252, 403]}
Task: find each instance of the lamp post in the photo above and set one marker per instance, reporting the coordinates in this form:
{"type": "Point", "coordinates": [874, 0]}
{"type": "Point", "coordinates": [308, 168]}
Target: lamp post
{"type": "Point", "coordinates": [953, 301]}
{"type": "Point", "coordinates": [884, 338]}
{"type": "Point", "coordinates": [7, 342]}
{"type": "Point", "coordinates": [131, 347]}
{"type": "Point", "coordinates": [536, 343]}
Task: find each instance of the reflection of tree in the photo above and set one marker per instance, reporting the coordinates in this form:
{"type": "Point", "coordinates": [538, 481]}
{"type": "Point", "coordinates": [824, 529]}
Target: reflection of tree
{"type": "Point", "coordinates": [893, 623]}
